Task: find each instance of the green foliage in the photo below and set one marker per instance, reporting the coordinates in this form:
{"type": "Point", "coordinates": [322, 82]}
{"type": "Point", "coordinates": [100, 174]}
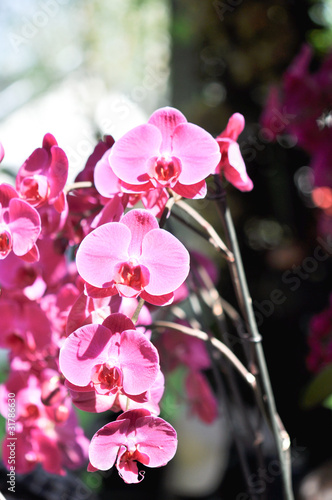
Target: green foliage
{"type": "Point", "coordinates": [319, 390]}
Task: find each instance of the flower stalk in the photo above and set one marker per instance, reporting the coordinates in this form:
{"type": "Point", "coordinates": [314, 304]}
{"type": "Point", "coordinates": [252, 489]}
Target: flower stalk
{"type": "Point", "coordinates": [257, 359]}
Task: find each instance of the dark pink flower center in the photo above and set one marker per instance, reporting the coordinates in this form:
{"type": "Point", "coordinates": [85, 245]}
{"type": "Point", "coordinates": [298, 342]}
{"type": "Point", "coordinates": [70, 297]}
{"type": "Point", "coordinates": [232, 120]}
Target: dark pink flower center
{"type": "Point", "coordinates": [34, 190]}
{"type": "Point", "coordinates": [132, 454]}
{"type": "Point", "coordinates": [128, 456]}
{"type": "Point", "coordinates": [132, 275]}
{"type": "Point", "coordinates": [166, 170]}
{"type": "Point", "coordinates": [31, 411]}
{"type": "Point", "coordinates": [107, 378]}
{"type": "Point", "coordinates": [5, 243]}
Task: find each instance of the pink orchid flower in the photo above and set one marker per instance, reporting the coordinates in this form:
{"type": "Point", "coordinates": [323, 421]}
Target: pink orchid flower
{"type": "Point", "coordinates": [167, 152]}
{"type": "Point", "coordinates": [43, 176]}
{"type": "Point", "coordinates": [110, 186]}
{"type": "Point", "coordinates": [109, 358]}
{"type": "Point", "coordinates": [24, 328]}
{"type": "Point", "coordinates": [19, 226]}
{"type": "Point", "coordinates": [135, 436]}
{"type": "Point", "coordinates": [87, 399]}
{"type": "Point", "coordinates": [231, 164]}
{"type": "Point", "coordinates": [134, 257]}
{"type": "Point", "coordinates": [55, 446]}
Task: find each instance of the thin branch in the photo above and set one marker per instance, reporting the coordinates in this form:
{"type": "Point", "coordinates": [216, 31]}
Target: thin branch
{"type": "Point", "coordinates": [248, 377]}
{"type": "Point", "coordinates": [214, 237]}
{"type": "Point", "coordinates": [168, 208]}
{"type": "Point", "coordinates": [218, 305]}
{"type": "Point", "coordinates": [140, 304]}
{"type": "Point", "coordinates": [211, 298]}
{"type": "Point", "coordinates": [264, 384]}
{"type": "Point", "coordinates": [78, 185]}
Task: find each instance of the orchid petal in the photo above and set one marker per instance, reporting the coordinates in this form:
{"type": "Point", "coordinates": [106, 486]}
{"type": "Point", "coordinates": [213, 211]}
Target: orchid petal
{"type": "Point", "coordinates": [198, 151]}
{"type": "Point", "coordinates": [167, 261]}
{"type": "Point", "coordinates": [166, 120]}
{"type": "Point", "coordinates": [129, 155]}
{"type": "Point", "coordinates": [235, 172]}
{"type": "Point", "coordinates": [81, 351]}
{"type": "Point", "coordinates": [24, 225]}
{"type": "Point", "coordinates": [100, 251]}
{"type": "Point", "coordinates": [139, 362]}
{"type": "Point", "coordinates": [140, 222]}
{"type": "Point", "coordinates": [234, 127]}
{"type": "Point", "coordinates": [105, 444]}
{"type": "Point", "coordinates": [156, 438]}
{"type": "Point", "coordinates": [105, 180]}
{"type": "Point", "coordinates": [193, 191]}
{"type": "Point", "coordinates": [57, 173]}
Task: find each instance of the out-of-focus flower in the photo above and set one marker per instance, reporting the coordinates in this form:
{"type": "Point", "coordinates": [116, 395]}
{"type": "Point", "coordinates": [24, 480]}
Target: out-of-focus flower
{"type": "Point", "coordinates": [231, 164]}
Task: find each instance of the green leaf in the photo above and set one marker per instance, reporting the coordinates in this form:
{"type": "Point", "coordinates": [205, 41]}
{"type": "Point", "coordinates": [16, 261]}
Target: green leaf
{"type": "Point", "coordinates": [328, 402]}
{"type": "Point", "coordinates": [319, 389]}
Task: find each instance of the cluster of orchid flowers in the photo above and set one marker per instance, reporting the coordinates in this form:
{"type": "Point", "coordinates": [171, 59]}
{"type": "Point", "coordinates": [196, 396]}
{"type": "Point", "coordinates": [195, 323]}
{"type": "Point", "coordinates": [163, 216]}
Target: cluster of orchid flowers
{"type": "Point", "coordinates": [303, 101]}
{"type": "Point", "coordinates": [82, 274]}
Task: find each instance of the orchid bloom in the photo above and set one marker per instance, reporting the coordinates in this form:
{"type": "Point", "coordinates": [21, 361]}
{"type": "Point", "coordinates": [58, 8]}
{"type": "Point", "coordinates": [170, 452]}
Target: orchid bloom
{"type": "Point", "coordinates": [231, 164]}
{"type": "Point", "coordinates": [135, 436]}
{"type": "Point", "coordinates": [19, 226]}
{"type": "Point", "coordinates": [43, 175]}
{"type": "Point", "coordinates": [109, 358]}
{"type": "Point", "coordinates": [167, 152]}
{"type": "Point", "coordinates": [134, 257]}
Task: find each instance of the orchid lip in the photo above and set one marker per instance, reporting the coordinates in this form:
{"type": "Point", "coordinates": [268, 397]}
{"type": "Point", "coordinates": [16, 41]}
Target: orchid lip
{"type": "Point", "coordinates": [35, 190]}
{"type": "Point", "coordinates": [106, 377]}
{"type": "Point", "coordinates": [165, 170]}
{"type": "Point", "coordinates": [132, 274]}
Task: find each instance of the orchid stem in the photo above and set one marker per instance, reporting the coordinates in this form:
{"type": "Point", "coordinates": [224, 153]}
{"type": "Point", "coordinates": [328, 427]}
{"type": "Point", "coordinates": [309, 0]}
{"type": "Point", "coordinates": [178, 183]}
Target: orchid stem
{"type": "Point", "coordinates": [214, 237]}
{"type": "Point", "coordinates": [140, 304]}
{"type": "Point", "coordinates": [78, 185]}
{"type": "Point", "coordinates": [245, 300]}
{"type": "Point", "coordinates": [193, 332]}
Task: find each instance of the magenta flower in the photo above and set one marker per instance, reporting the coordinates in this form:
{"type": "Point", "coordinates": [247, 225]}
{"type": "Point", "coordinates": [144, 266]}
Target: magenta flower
{"type": "Point", "coordinates": [110, 358]}
{"type": "Point", "coordinates": [231, 164]}
{"type": "Point", "coordinates": [54, 446]}
{"type": "Point", "coordinates": [135, 436]}
{"type": "Point", "coordinates": [43, 176]}
{"type": "Point", "coordinates": [24, 328]}
{"type": "Point", "coordinates": [134, 257]}
{"type": "Point", "coordinates": [87, 399]}
{"type": "Point", "coordinates": [19, 226]}
{"type": "Point", "coordinates": [167, 152]}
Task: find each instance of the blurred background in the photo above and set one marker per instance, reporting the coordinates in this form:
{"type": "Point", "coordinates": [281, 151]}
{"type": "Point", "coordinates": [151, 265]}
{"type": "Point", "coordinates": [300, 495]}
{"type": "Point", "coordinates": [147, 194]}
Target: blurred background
{"type": "Point", "coordinates": [80, 70]}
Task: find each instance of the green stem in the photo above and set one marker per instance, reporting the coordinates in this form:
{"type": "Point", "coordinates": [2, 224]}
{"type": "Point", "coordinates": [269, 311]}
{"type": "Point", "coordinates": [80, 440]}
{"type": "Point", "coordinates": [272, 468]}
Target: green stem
{"type": "Point", "coordinates": [193, 332]}
{"type": "Point", "coordinates": [214, 236]}
{"type": "Point", "coordinates": [78, 185]}
{"type": "Point", "coordinates": [280, 435]}
{"type": "Point", "coordinates": [140, 304]}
